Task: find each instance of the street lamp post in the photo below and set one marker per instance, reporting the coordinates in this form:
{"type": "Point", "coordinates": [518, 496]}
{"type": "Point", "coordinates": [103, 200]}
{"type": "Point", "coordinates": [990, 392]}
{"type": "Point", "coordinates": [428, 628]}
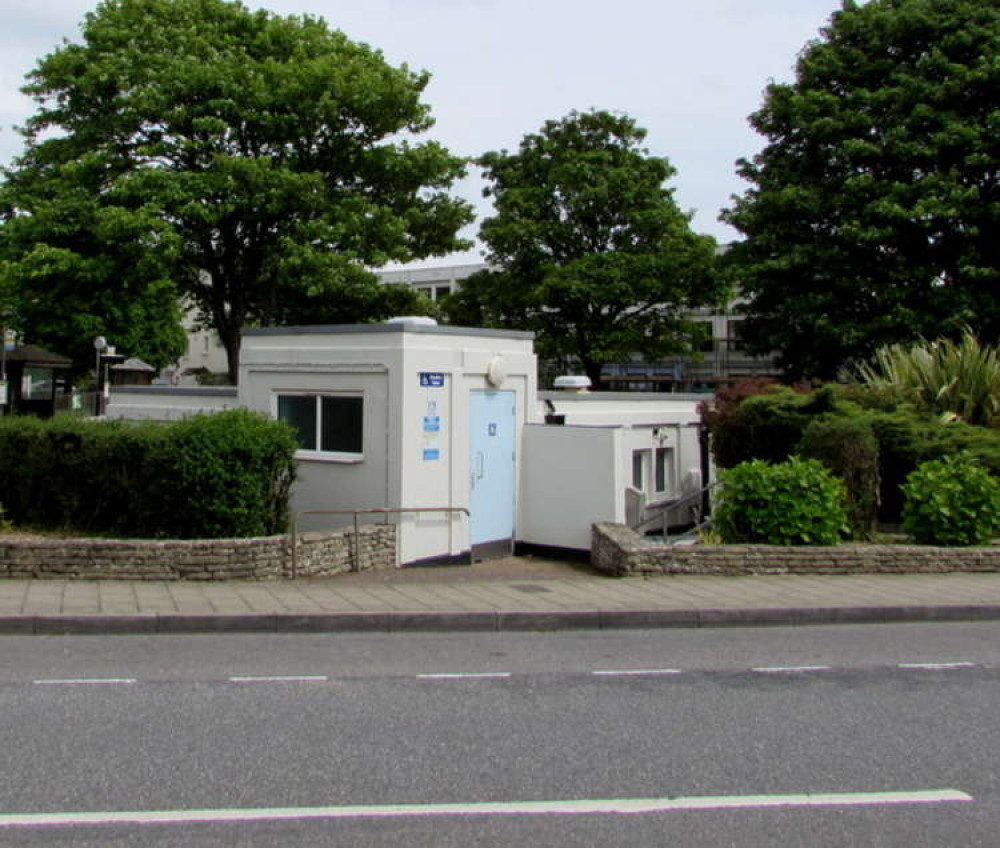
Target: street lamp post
{"type": "Point", "coordinates": [100, 345]}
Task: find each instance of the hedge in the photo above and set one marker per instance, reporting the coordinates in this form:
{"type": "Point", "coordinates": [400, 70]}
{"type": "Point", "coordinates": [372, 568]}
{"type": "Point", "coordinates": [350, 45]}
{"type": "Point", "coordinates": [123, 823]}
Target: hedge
{"type": "Point", "coordinates": [228, 474]}
{"type": "Point", "coordinates": [848, 447]}
{"type": "Point", "coordinates": [772, 427]}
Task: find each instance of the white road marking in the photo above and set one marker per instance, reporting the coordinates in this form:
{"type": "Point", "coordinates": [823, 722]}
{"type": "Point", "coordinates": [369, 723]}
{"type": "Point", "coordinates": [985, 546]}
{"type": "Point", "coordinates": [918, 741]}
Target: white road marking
{"type": "Point", "coordinates": [464, 675]}
{"type": "Point", "coordinates": [637, 671]}
{"type": "Point", "coordinates": [936, 666]}
{"type": "Point", "coordinates": [287, 678]}
{"type": "Point", "coordinates": [619, 806]}
{"type": "Point", "coordinates": [84, 681]}
{"type": "Point", "coordinates": [782, 669]}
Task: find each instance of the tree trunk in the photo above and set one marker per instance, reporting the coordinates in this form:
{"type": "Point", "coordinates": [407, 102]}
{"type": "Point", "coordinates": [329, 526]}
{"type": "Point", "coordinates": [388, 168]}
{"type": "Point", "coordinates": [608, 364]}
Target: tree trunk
{"type": "Point", "coordinates": [230, 337]}
{"type": "Point", "coordinates": [593, 371]}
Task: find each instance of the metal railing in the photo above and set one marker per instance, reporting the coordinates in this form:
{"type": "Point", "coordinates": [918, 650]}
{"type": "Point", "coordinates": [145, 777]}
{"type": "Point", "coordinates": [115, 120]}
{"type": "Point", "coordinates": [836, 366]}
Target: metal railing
{"type": "Point", "coordinates": [385, 511]}
{"type": "Point", "coordinates": [697, 502]}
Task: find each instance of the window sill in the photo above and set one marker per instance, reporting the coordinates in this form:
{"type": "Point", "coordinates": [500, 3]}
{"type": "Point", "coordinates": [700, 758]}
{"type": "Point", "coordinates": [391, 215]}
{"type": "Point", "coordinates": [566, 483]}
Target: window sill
{"type": "Point", "coordinates": [338, 458]}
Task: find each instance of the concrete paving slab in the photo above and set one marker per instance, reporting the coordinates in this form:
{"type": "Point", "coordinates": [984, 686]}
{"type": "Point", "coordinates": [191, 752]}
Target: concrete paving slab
{"type": "Point", "coordinates": [510, 594]}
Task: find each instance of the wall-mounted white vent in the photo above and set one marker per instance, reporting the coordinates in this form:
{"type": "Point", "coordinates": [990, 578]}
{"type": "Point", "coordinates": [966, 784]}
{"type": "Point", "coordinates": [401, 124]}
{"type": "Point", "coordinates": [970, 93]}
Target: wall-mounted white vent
{"type": "Point", "coordinates": [573, 383]}
{"type": "Point", "coordinates": [419, 320]}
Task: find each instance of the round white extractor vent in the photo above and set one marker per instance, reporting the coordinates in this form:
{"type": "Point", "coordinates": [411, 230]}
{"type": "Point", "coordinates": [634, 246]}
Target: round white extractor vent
{"type": "Point", "coordinates": [494, 372]}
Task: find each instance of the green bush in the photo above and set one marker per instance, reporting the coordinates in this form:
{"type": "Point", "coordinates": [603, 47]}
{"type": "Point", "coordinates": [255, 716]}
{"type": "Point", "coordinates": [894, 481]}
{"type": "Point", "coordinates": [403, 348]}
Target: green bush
{"type": "Point", "coordinates": [848, 447]}
{"type": "Point", "coordinates": [951, 501]}
{"type": "Point", "coordinates": [223, 475]}
{"type": "Point", "coordinates": [766, 426]}
{"type": "Point", "coordinates": [906, 439]}
{"type": "Point", "coordinates": [772, 426]}
{"type": "Point", "coordinates": [798, 502]}
{"type": "Point", "coordinates": [954, 379]}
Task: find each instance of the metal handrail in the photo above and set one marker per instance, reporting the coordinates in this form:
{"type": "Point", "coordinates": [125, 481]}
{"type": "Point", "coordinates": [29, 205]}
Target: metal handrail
{"type": "Point", "coordinates": [665, 507]}
{"type": "Point", "coordinates": [378, 510]}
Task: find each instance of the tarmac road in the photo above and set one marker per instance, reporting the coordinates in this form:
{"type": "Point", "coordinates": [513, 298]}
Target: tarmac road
{"type": "Point", "coordinates": [837, 726]}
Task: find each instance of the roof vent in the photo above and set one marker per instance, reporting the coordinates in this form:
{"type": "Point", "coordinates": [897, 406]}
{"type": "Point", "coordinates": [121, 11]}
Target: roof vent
{"type": "Point", "coordinates": [418, 320]}
{"type": "Point", "coordinates": [573, 383]}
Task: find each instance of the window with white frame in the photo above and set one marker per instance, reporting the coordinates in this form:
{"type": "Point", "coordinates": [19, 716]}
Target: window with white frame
{"type": "Point", "coordinates": [640, 469]}
{"type": "Point", "coordinates": [663, 471]}
{"type": "Point", "coordinates": [326, 425]}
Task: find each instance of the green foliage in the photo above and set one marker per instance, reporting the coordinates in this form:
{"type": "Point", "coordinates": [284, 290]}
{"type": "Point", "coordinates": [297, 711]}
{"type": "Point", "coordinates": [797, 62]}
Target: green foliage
{"type": "Point", "coordinates": [766, 426]}
{"type": "Point", "coordinates": [256, 164]}
{"type": "Point", "coordinates": [848, 447]}
{"type": "Point", "coordinates": [798, 502]}
{"type": "Point", "coordinates": [589, 248]}
{"type": "Point", "coordinates": [952, 501]}
{"type": "Point", "coordinates": [944, 377]}
{"type": "Point", "coordinates": [222, 475]}
{"type": "Point", "coordinates": [772, 427]}
{"type": "Point", "coordinates": [871, 216]}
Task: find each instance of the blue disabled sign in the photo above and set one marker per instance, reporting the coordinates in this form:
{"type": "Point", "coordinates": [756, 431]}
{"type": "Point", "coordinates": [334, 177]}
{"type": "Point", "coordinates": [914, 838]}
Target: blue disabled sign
{"type": "Point", "coordinates": [431, 380]}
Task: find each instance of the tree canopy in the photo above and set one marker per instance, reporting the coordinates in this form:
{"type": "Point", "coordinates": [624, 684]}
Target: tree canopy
{"type": "Point", "coordinates": [874, 207]}
{"type": "Point", "coordinates": [256, 164]}
{"type": "Point", "coordinates": [588, 248]}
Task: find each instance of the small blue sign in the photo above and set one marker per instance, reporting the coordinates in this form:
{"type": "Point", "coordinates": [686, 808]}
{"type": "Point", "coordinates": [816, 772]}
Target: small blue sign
{"type": "Point", "coordinates": [430, 380]}
{"type": "Point", "coordinates": [431, 454]}
{"type": "Point", "coordinates": [432, 423]}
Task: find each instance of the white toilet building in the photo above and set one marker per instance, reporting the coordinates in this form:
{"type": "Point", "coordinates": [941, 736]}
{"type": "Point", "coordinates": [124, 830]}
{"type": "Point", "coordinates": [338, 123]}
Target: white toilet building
{"type": "Point", "coordinates": [444, 427]}
{"type": "Point", "coordinates": [402, 416]}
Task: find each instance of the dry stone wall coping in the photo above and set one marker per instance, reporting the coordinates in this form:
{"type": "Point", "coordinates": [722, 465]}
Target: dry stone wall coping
{"type": "Point", "coordinates": [617, 550]}
{"type": "Point", "coordinates": [319, 554]}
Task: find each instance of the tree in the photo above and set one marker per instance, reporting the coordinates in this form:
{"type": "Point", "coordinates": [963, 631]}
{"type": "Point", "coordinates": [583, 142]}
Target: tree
{"type": "Point", "coordinates": [259, 164]}
{"type": "Point", "coordinates": [75, 268]}
{"type": "Point", "coordinates": [588, 247]}
{"type": "Point", "coordinates": [873, 207]}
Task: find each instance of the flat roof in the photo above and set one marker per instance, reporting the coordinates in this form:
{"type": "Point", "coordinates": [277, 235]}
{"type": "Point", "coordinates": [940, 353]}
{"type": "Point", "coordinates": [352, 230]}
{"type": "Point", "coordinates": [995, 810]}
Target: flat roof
{"type": "Point", "coordinates": [421, 329]}
{"type": "Point", "coordinates": [592, 396]}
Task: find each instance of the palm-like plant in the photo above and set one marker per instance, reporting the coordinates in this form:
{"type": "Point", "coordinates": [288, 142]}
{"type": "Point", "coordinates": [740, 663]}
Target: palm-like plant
{"type": "Point", "coordinates": [957, 380]}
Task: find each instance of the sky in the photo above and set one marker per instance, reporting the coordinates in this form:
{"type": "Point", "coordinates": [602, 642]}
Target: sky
{"type": "Point", "coordinates": [689, 71]}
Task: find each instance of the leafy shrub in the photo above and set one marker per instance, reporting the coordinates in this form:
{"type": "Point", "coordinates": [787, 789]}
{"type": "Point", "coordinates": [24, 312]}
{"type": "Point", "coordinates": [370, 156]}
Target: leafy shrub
{"type": "Point", "coordinates": [951, 501]}
{"type": "Point", "coordinates": [848, 447]}
{"type": "Point", "coordinates": [772, 426]}
{"type": "Point", "coordinates": [942, 377]}
{"type": "Point", "coordinates": [907, 439]}
{"type": "Point", "coordinates": [227, 474]}
{"type": "Point", "coordinates": [766, 426]}
{"type": "Point", "coordinates": [798, 502]}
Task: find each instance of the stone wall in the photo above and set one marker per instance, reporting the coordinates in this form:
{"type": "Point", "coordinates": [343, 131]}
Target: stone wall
{"type": "Point", "coordinates": [319, 555]}
{"type": "Point", "coordinates": [617, 550]}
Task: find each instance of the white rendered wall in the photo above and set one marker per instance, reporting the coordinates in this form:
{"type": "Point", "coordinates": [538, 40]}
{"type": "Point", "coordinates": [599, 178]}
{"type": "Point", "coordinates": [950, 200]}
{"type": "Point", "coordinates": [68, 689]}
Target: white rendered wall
{"type": "Point", "coordinates": [617, 408]}
{"type": "Point", "coordinates": [572, 477]}
{"type": "Point", "coordinates": [464, 361]}
{"type": "Point", "coordinates": [287, 364]}
{"type": "Point", "coordinates": [168, 403]}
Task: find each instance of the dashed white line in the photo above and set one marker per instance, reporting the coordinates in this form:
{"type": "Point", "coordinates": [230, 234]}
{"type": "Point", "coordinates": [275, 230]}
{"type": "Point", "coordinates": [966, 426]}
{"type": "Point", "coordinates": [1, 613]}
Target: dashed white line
{"type": "Point", "coordinates": [475, 675]}
{"type": "Point", "coordinates": [85, 681]}
{"type": "Point", "coordinates": [790, 669]}
{"type": "Point", "coordinates": [625, 672]}
{"type": "Point", "coordinates": [613, 806]}
{"type": "Point", "coordinates": [284, 678]}
{"type": "Point", "coordinates": [936, 666]}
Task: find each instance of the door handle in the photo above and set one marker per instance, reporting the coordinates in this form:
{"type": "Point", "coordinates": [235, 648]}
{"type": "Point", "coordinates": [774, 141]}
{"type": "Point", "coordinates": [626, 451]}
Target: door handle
{"type": "Point", "coordinates": [481, 470]}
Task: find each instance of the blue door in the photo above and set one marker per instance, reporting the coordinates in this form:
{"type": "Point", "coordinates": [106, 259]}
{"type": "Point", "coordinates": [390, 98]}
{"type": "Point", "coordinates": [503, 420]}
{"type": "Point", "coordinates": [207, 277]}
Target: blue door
{"type": "Point", "coordinates": [491, 464]}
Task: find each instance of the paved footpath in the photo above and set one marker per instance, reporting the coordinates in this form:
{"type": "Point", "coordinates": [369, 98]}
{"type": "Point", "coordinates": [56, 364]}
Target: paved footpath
{"type": "Point", "coordinates": [518, 593]}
